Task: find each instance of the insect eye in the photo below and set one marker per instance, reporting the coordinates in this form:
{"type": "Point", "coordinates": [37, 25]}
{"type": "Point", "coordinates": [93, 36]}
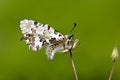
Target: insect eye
{"type": "Point", "coordinates": [70, 36]}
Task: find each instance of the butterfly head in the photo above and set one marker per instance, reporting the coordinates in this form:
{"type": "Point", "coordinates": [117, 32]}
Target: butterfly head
{"type": "Point", "coordinates": [69, 37]}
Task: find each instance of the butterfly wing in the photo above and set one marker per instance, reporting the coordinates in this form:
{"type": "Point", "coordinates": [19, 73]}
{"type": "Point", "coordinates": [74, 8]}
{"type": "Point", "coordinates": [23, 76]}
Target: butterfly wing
{"type": "Point", "coordinates": [52, 49]}
{"type": "Point", "coordinates": [38, 35]}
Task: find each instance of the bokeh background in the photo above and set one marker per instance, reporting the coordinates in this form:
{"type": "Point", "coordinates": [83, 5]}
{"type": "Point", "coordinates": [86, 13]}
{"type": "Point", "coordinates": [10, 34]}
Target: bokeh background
{"type": "Point", "coordinates": [98, 25]}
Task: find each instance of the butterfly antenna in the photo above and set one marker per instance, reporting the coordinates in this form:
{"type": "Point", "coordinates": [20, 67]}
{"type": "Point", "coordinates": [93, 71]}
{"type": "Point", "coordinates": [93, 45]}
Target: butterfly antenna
{"type": "Point", "coordinates": [73, 28]}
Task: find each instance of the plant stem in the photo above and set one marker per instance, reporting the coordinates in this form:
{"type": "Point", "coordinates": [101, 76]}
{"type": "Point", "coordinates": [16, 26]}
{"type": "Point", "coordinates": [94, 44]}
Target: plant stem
{"type": "Point", "coordinates": [73, 66]}
{"type": "Point", "coordinates": [112, 70]}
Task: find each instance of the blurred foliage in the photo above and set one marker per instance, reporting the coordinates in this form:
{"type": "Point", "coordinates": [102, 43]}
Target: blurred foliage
{"type": "Point", "coordinates": [98, 27]}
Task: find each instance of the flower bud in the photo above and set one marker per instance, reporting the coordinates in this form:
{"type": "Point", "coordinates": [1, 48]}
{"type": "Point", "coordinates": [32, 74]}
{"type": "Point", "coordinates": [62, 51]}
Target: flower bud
{"type": "Point", "coordinates": [114, 55]}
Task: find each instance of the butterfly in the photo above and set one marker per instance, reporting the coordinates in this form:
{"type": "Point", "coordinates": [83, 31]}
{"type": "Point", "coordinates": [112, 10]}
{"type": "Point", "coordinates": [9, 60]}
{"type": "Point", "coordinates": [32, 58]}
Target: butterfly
{"type": "Point", "coordinates": [38, 35]}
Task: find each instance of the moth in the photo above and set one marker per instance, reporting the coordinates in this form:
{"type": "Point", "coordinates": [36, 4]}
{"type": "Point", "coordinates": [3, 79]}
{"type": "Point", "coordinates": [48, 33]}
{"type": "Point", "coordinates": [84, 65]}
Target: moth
{"type": "Point", "coordinates": [38, 35]}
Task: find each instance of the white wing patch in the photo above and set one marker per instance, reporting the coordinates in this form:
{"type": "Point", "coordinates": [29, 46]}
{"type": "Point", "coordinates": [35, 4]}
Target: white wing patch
{"type": "Point", "coordinates": [38, 35]}
{"type": "Point", "coordinates": [52, 49]}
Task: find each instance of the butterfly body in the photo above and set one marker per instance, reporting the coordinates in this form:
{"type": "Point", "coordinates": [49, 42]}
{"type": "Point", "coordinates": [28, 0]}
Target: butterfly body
{"type": "Point", "coordinates": [38, 35]}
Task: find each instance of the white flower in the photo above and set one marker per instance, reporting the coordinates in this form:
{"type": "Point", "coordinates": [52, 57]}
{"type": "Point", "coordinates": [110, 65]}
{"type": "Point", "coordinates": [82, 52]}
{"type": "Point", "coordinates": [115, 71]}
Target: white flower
{"type": "Point", "coordinates": [114, 55]}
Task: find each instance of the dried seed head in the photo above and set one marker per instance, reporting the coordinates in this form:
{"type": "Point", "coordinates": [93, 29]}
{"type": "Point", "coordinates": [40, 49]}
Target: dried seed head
{"type": "Point", "coordinates": [114, 55]}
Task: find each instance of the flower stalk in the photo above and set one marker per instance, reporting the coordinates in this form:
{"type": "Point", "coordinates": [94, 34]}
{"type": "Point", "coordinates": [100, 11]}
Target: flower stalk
{"type": "Point", "coordinates": [73, 65]}
{"type": "Point", "coordinates": [114, 57]}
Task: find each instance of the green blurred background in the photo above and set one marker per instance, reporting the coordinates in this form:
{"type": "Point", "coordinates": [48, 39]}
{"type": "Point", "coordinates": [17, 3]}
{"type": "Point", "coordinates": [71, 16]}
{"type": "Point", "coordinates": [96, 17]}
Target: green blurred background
{"type": "Point", "coordinates": [98, 27]}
